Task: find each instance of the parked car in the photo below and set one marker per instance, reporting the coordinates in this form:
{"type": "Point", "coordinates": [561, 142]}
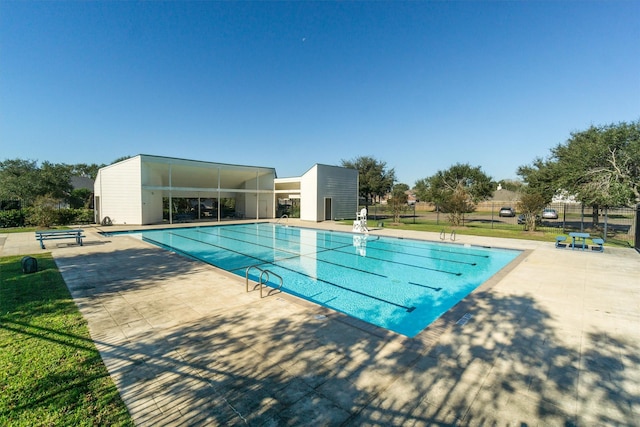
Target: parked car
{"type": "Point", "coordinates": [506, 211]}
{"type": "Point", "coordinates": [549, 214]}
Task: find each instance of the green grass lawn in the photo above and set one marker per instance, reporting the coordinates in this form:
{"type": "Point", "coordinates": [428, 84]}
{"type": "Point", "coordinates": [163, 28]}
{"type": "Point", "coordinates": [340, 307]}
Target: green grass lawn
{"type": "Point", "coordinates": [17, 230]}
{"type": "Point", "coordinates": [50, 371]}
{"type": "Point", "coordinates": [479, 229]}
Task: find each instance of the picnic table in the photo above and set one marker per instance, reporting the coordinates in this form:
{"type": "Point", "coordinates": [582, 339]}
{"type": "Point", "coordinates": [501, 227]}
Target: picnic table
{"type": "Point", "coordinates": [43, 235]}
{"type": "Point", "coordinates": [581, 238]}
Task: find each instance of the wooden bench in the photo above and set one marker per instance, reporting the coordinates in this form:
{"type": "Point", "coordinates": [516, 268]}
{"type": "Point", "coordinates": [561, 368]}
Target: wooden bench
{"type": "Point", "coordinates": [59, 234]}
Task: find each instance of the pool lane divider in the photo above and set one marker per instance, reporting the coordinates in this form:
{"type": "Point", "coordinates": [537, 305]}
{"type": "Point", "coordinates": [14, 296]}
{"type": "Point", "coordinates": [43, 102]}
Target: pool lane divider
{"type": "Point", "coordinates": [408, 309]}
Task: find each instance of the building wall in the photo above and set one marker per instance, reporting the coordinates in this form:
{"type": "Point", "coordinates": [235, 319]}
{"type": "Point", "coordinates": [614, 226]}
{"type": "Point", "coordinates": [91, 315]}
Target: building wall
{"type": "Point", "coordinates": [118, 188]}
{"type": "Point", "coordinates": [151, 207]}
{"type": "Point", "coordinates": [132, 191]}
{"type": "Point", "coordinates": [309, 196]}
{"type": "Point", "coordinates": [341, 185]}
{"type": "Point", "coordinates": [334, 182]}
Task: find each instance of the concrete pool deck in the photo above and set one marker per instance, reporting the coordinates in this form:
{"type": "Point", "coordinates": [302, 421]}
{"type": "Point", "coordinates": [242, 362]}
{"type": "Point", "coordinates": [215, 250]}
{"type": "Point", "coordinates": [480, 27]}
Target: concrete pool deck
{"type": "Point", "coordinates": [553, 339]}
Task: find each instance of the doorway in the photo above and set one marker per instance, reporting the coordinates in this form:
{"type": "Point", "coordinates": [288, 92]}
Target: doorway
{"type": "Point", "coordinates": [327, 209]}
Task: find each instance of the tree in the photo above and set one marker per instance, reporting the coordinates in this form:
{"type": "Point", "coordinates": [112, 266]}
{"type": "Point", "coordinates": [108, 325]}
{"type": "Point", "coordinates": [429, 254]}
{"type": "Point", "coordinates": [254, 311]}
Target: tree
{"type": "Point", "coordinates": [542, 178]}
{"type": "Point", "coordinates": [80, 198]}
{"type": "Point", "coordinates": [374, 178]}
{"type": "Point", "coordinates": [54, 180]}
{"type": "Point", "coordinates": [398, 200]}
{"type": "Point", "coordinates": [119, 159]}
{"type": "Point", "coordinates": [601, 165]}
{"type": "Point", "coordinates": [85, 170]}
{"type": "Point", "coordinates": [530, 204]}
{"type": "Point", "coordinates": [456, 190]}
{"type": "Point", "coordinates": [18, 179]}
{"type": "Point", "coordinates": [24, 180]}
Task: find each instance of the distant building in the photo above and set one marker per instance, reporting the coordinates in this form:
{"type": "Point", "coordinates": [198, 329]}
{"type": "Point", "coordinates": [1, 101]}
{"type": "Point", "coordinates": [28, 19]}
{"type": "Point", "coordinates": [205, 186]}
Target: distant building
{"type": "Point", "coordinates": [82, 183]}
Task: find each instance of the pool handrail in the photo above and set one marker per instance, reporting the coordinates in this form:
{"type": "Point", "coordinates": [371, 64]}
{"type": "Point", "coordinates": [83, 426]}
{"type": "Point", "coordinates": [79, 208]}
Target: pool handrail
{"type": "Point", "coordinates": [283, 216]}
{"type": "Point", "coordinates": [263, 272]}
{"type": "Point", "coordinates": [452, 236]}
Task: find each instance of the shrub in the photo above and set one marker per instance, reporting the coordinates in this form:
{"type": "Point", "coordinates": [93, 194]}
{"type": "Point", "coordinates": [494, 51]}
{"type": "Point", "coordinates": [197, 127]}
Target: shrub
{"type": "Point", "coordinates": [12, 218]}
{"type": "Point", "coordinates": [43, 213]}
{"type": "Point", "coordinates": [84, 216]}
{"type": "Point", "coordinates": [65, 216]}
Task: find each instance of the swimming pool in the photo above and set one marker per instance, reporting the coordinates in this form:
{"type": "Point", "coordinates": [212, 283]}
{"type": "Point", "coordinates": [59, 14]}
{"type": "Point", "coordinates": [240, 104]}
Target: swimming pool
{"type": "Point", "coordinates": [399, 284]}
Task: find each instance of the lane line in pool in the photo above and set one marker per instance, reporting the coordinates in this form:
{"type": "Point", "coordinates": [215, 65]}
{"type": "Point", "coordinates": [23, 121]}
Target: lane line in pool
{"type": "Point", "coordinates": [273, 236]}
{"type": "Point", "coordinates": [399, 243]}
{"type": "Point", "coordinates": [425, 286]}
{"type": "Point", "coordinates": [272, 262]}
{"type": "Point", "coordinates": [348, 243]}
{"type": "Point", "coordinates": [473, 264]}
{"type": "Point", "coordinates": [206, 243]}
{"type": "Point", "coordinates": [448, 251]}
{"type": "Point", "coordinates": [337, 249]}
{"type": "Point", "coordinates": [413, 265]}
{"type": "Point", "coordinates": [295, 254]}
{"type": "Point", "coordinates": [409, 309]}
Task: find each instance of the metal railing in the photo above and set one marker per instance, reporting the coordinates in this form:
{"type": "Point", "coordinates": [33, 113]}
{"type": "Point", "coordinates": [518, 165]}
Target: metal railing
{"type": "Point", "coordinates": [452, 236]}
{"type": "Point", "coordinates": [285, 216]}
{"type": "Point", "coordinates": [264, 274]}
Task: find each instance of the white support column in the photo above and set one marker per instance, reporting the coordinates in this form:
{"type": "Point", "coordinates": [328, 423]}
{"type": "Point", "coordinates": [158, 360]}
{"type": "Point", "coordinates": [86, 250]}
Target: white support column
{"type": "Point", "coordinates": [218, 201]}
{"type": "Point", "coordinates": [257, 196]}
{"type": "Point", "coordinates": [170, 198]}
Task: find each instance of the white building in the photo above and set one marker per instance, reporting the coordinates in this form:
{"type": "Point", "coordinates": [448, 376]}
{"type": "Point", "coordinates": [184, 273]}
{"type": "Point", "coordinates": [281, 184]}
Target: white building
{"type": "Point", "coordinates": [149, 189]}
{"type": "Point", "coordinates": [322, 193]}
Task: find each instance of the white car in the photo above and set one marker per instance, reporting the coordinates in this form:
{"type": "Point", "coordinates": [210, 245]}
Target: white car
{"type": "Point", "coordinates": [507, 211]}
{"type": "Point", "coordinates": [549, 214]}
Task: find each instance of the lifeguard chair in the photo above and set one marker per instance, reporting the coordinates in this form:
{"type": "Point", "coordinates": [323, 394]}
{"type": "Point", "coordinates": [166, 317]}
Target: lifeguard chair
{"type": "Point", "coordinates": [360, 224]}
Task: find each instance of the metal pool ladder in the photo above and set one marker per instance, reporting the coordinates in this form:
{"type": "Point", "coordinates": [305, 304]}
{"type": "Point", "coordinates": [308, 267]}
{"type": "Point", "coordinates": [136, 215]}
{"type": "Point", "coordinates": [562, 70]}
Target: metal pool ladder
{"type": "Point", "coordinates": [285, 216]}
{"type": "Point", "coordinates": [266, 274]}
{"type": "Point", "coordinates": [443, 235]}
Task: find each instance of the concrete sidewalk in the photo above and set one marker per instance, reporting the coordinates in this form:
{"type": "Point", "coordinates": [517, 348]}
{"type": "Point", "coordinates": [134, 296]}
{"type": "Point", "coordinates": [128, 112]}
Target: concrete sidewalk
{"type": "Point", "coordinates": [554, 339]}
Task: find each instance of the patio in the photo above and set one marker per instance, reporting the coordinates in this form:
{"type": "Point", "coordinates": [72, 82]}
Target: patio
{"type": "Point", "coordinates": [554, 339]}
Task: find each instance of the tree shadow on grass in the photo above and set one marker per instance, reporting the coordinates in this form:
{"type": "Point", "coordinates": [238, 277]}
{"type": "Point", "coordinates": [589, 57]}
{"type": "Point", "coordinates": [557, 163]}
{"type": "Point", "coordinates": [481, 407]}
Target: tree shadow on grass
{"type": "Point", "coordinates": [275, 362]}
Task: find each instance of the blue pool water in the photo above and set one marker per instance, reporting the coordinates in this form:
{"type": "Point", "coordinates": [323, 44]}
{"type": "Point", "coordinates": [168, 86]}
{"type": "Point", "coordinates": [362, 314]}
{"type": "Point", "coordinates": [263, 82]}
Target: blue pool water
{"type": "Point", "coordinates": [399, 284]}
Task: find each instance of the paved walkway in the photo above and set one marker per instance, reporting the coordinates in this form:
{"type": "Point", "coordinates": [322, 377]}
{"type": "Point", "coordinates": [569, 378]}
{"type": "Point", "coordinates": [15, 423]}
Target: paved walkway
{"type": "Point", "coordinates": [552, 340]}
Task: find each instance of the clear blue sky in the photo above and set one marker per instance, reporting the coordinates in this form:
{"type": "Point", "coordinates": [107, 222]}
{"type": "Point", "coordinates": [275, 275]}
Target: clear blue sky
{"type": "Point", "coordinates": [418, 85]}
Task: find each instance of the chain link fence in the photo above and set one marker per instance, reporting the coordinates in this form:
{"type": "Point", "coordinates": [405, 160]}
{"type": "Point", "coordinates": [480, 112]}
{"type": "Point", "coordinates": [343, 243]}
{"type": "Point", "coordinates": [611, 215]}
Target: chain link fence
{"type": "Point", "coordinates": [609, 223]}
{"type": "Point", "coordinates": [618, 223]}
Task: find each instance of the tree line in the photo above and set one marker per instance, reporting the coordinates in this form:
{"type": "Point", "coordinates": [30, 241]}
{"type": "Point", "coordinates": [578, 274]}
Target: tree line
{"type": "Point", "coordinates": [599, 167]}
{"type": "Point", "coordinates": [43, 194]}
